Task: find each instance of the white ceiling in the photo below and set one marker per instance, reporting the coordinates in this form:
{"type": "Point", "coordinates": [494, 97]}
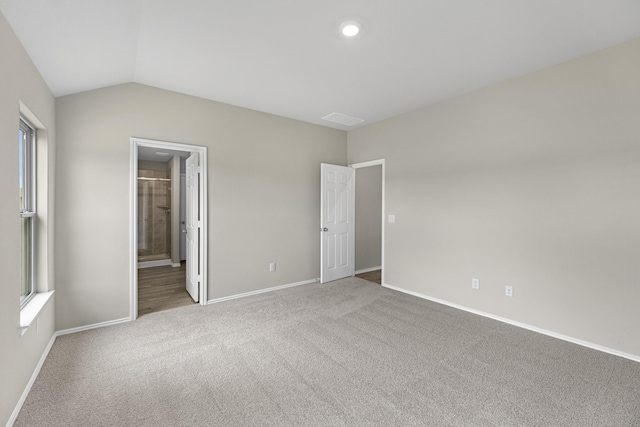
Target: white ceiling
{"type": "Point", "coordinates": [286, 57]}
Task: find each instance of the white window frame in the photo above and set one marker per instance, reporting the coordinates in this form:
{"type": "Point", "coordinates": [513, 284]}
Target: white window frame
{"type": "Point", "coordinates": [28, 208]}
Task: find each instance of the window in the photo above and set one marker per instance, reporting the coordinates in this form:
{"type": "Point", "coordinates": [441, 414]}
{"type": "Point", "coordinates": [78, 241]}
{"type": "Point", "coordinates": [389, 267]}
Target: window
{"type": "Point", "coordinates": [27, 181]}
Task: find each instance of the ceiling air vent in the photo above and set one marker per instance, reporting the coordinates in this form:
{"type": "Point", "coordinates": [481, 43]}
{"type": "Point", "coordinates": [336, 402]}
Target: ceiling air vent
{"type": "Point", "coordinates": [343, 119]}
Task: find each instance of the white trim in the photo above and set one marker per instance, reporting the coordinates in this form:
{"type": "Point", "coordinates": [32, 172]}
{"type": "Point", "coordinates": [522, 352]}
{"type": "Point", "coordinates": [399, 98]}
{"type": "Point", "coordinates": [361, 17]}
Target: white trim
{"type": "Point", "coordinates": [36, 371]}
{"type": "Point", "coordinates": [32, 310]}
{"type": "Point", "coordinates": [133, 220]}
{"type": "Point", "coordinates": [367, 270]}
{"type": "Point", "coordinates": [383, 164]}
{"type": "Point", "coordinates": [27, 389]}
{"type": "Point", "coordinates": [155, 263]}
{"type": "Point", "coordinates": [520, 325]}
{"type": "Point", "coordinates": [93, 326]}
{"type": "Point", "coordinates": [367, 164]}
{"type": "Point", "coordinates": [133, 231]}
{"type": "Point", "coordinates": [261, 291]}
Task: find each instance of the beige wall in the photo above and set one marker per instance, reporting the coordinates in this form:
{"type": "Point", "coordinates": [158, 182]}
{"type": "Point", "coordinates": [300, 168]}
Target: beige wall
{"type": "Point", "coordinates": [153, 166]}
{"type": "Point", "coordinates": [533, 183]}
{"type": "Point", "coordinates": [20, 81]}
{"type": "Point", "coordinates": [264, 193]}
{"type": "Point", "coordinates": [368, 217]}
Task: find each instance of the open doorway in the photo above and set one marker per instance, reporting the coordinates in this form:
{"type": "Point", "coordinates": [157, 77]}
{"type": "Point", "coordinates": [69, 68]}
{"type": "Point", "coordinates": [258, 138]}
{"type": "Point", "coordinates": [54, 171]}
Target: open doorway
{"type": "Point", "coordinates": [160, 202]}
{"type": "Point", "coordinates": [168, 225]}
{"type": "Point", "coordinates": [338, 221]}
{"type": "Point", "coordinates": [369, 220]}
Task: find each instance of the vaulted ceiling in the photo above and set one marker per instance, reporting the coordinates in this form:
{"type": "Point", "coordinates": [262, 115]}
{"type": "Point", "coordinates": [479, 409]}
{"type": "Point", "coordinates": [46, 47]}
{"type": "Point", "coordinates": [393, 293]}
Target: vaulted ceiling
{"type": "Point", "coordinates": [287, 57]}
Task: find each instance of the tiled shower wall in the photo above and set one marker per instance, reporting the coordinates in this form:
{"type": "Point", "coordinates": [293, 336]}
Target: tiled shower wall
{"type": "Point", "coordinates": [154, 222]}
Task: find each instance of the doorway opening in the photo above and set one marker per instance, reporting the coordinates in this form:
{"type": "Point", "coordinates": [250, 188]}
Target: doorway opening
{"type": "Point", "coordinates": [168, 225]}
{"type": "Point", "coordinates": [369, 220]}
{"type": "Point", "coordinates": [160, 202]}
{"type": "Point", "coordinates": [338, 224]}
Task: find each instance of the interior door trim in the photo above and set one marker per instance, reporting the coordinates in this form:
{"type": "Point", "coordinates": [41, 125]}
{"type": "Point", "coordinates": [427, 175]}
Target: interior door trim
{"type": "Point", "coordinates": [133, 220]}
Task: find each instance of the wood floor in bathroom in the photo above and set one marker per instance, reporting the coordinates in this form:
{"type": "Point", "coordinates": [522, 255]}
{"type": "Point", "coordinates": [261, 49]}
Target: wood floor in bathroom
{"type": "Point", "coordinates": [162, 288]}
{"type": "Point", "coordinates": [372, 276]}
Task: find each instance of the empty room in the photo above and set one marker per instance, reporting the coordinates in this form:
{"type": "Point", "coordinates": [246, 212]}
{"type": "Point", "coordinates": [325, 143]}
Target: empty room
{"type": "Point", "coordinates": [337, 213]}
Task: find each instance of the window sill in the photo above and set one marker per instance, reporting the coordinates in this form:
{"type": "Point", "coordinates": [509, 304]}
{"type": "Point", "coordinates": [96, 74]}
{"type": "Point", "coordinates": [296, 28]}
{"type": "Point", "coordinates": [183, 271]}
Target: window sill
{"type": "Point", "coordinates": [30, 312]}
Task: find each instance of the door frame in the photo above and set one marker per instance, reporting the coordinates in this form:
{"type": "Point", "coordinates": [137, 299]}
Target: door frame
{"type": "Point", "coordinates": [133, 221]}
{"type": "Point", "coordinates": [361, 165]}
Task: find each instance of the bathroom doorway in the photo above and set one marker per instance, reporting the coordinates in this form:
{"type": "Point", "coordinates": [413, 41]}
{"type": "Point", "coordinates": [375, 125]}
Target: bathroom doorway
{"type": "Point", "coordinates": [163, 217]}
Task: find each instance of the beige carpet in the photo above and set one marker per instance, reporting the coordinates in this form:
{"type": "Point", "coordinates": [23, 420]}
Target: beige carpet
{"type": "Point", "coordinates": [347, 353]}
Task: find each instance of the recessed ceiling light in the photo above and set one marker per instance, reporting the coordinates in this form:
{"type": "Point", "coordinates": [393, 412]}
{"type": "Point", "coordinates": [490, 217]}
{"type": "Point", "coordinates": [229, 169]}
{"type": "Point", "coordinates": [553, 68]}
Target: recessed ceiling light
{"type": "Point", "coordinates": [160, 153]}
{"type": "Point", "coordinates": [350, 28]}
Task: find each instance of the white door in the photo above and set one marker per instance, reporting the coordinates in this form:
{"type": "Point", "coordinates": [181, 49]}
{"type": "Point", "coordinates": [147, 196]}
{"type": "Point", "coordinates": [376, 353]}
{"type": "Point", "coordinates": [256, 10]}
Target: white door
{"type": "Point", "coordinates": [193, 226]}
{"type": "Point", "coordinates": [336, 225]}
{"type": "Point", "coordinates": [183, 217]}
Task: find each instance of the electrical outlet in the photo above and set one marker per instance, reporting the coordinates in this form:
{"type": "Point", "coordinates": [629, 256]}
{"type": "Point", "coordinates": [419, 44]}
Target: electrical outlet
{"type": "Point", "coordinates": [272, 267]}
{"type": "Point", "coordinates": [475, 283]}
{"type": "Point", "coordinates": [508, 291]}
{"type": "Point", "coordinates": [392, 218]}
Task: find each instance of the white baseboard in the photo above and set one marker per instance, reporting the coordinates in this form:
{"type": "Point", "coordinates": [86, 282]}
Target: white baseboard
{"type": "Point", "coordinates": [93, 326]}
{"type": "Point", "coordinates": [366, 270]}
{"type": "Point", "coordinates": [176, 264]}
{"type": "Point", "coordinates": [36, 371]}
{"type": "Point", "coordinates": [520, 325]}
{"type": "Point", "coordinates": [156, 263]}
{"type": "Point", "coordinates": [261, 291]}
{"type": "Point", "coordinates": [27, 389]}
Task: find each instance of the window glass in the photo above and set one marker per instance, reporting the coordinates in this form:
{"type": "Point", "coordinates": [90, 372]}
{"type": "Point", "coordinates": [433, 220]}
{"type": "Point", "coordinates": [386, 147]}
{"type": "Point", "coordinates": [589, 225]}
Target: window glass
{"type": "Point", "coordinates": [27, 191]}
{"type": "Point", "coordinates": [26, 282]}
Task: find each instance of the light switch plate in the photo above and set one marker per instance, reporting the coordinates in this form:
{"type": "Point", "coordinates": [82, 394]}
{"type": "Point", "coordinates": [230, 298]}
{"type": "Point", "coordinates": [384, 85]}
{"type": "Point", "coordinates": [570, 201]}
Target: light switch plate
{"type": "Point", "coordinates": [392, 218]}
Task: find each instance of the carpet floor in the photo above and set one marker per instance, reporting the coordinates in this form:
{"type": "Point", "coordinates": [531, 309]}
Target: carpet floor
{"type": "Point", "coordinates": [346, 353]}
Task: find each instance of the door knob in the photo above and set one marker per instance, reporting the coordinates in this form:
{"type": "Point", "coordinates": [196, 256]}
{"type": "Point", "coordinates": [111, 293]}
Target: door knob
{"type": "Point", "coordinates": [324, 229]}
